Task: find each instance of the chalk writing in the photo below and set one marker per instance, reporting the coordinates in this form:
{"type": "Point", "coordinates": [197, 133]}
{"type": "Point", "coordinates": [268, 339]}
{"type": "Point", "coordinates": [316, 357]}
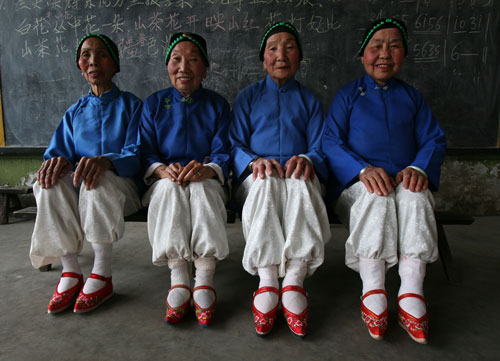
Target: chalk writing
{"type": "Point", "coordinates": [452, 44]}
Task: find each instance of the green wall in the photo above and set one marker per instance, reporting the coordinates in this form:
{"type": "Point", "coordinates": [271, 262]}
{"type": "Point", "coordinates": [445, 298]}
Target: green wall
{"type": "Point", "coordinates": [18, 169]}
{"type": "Point", "coordinates": [470, 178]}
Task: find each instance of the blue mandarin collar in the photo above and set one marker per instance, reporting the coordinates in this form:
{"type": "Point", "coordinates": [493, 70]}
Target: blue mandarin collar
{"type": "Point", "coordinates": [372, 84]}
{"type": "Point", "coordinates": [178, 97]}
{"type": "Point", "coordinates": [289, 84]}
{"type": "Point", "coordinates": [107, 96]}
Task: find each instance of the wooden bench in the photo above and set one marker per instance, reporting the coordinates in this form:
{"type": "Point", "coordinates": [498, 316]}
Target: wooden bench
{"type": "Point", "coordinates": [442, 219]}
{"type": "Point", "coordinates": [9, 200]}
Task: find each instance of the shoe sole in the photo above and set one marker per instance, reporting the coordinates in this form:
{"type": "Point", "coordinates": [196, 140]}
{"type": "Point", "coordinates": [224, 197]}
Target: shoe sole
{"type": "Point", "coordinates": [60, 309]}
{"type": "Point", "coordinates": [205, 324]}
{"type": "Point", "coordinates": [421, 341]}
{"type": "Point", "coordinates": [376, 337]}
{"type": "Point", "coordinates": [96, 306]}
{"type": "Point", "coordinates": [170, 322]}
{"type": "Point", "coordinates": [261, 334]}
{"type": "Point", "coordinates": [297, 334]}
{"type": "Point", "coordinates": [167, 322]}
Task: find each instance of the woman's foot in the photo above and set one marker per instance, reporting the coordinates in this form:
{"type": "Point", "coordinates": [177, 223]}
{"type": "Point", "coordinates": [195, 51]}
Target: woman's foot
{"type": "Point", "coordinates": [295, 309]}
{"type": "Point", "coordinates": [417, 328]}
{"type": "Point", "coordinates": [265, 308]}
{"type": "Point", "coordinates": [66, 292]}
{"type": "Point", "coordinates": [204, 299]}
{"type": "Point", "coordinates": [87, 302]}
{"type": "Point", "coordinates": [178, 302]}
{"type": "Point", "coordinates": [376, 321]}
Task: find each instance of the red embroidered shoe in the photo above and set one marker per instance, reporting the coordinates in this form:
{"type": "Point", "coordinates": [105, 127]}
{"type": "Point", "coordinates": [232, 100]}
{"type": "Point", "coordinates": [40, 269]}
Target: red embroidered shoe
{"type": "Point", "coordinates": [417, 328]}
{"type": "Point", "coordinates": [88, 302]}
{"type": "Point", "coordinates": [175, 314]}
{"type": "Point", "coordinates": [204, 315]}
{"type": "Point", "coordinates": [61, 301]}
{"type": "Point", "coordinates": [296, 323]}
{"type": "Point", "coordinates": [264, 322]}
{"type": "Point", "coordinates": [377, 324]}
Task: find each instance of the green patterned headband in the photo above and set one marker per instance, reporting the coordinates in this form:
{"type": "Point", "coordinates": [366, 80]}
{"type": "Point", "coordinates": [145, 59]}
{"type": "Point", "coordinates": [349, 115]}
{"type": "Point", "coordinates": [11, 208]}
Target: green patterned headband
{"type": "Point", "coordinates": [384, 24]}
{"type": "Point", "coordinates": [289, 28]}
{"type": "Point", "coordinates": [200, 43]}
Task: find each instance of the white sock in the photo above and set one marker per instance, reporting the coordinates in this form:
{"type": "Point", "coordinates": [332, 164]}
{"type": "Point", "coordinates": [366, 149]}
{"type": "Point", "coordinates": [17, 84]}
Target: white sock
{"type": "Point", "coordinates": [412, 273]}
{"type": "Point", "coordinates": [179, 275]}
{"type": "Point", "coordinates": [102, 266]}
{"type": "Point", "coordinates": [266, 301]}
{"type": "Point", "coordinates": [293, 301]}
{"type": "Point", "coordinates": [69, 264]}
{"type": "Point", "coordinates": [205, 268]}
{"type": "Point", "coordinates": [372, 273]}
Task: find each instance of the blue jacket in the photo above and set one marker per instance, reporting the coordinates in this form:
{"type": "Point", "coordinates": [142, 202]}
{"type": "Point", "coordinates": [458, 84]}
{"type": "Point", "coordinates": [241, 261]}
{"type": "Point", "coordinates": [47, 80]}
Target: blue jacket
{"type": "Point", "coordinates": [101, 126]}
{"type": "Point", "coordinates": [389, 126]}
{"type": "Point", "coordinates": [274, 122]}
{"type": "Point", "coordinates": [174, 129]}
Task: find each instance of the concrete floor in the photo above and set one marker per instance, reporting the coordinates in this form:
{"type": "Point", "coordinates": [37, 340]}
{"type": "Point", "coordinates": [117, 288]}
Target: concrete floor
{"type": "Point", "coordinates": [464, 320]}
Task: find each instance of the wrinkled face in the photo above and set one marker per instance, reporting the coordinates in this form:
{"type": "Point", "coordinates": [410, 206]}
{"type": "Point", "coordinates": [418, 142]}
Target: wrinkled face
{"type": "Point", "coordinates": [186, 68]}
{"type": "Point", "coordinates": [281, 57]}
{"type": "Point", "coordinates": [96, 63]}
{"type": "Point", "coordinates": [384, 55]}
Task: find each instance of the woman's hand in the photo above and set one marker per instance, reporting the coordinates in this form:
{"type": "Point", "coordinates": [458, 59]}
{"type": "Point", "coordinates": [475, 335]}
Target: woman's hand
{"type": "Point", "coordinates": [195, 171]}
{"type": "Point", "coordinates": [377, 180]}
{"type": "Point", "coordinates": [90, 169]}
{"type": "Point", "coordinates": [300, 165]}
{"type": "Point", "coordinates": [263, 166]}
{"type": "Point", "coordinates": [413, 180]}
{"type": "Point", "coordinates": [171, 171]}
{"type": "Point", "coordinates": [51, 170]}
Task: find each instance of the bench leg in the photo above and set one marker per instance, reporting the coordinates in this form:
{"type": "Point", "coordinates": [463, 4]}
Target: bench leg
{"type": "Point", "coordinates": [4, 208]}
{"type": "Point", "coordinates": [45, 268]}
{"type": "Point", "coordinates": [446, 257]}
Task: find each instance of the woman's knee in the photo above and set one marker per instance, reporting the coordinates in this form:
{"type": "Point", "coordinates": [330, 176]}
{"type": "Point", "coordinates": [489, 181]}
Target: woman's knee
{"type": "Point", "coordinates": [406, 197]}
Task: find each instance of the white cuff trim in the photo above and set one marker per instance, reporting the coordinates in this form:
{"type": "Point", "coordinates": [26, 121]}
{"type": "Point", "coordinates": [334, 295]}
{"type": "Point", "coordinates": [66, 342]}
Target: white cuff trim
{"type": "Point", "coordinates": [419, 169]}
{"type": "Point", "coordinates": [148, 176]}
{"type": "Point", "coordinates": [309, 159]}
{"type": "Point", "coordinates": [218, 170]}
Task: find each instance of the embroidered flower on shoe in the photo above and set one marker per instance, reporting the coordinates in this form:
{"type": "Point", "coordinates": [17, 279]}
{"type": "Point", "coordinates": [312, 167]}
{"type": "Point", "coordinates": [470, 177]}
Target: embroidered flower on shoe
{"type": "Point", "coordinates": [374, 321]}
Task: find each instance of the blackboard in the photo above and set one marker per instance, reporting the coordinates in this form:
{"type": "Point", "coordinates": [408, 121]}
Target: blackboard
{"type": "Point", "coordinates": [453, 57]}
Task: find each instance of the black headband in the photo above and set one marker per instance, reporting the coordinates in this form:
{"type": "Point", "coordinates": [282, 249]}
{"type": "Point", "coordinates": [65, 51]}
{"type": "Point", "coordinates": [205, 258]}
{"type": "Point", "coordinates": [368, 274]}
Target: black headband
{"type": "Point", "coordinates": [110, 45]}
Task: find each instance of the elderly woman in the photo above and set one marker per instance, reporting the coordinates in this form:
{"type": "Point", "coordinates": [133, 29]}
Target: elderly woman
{"type": "Point", "coordinates": [385, 149]}
{"type": "Point", "coordinates": [185, 153]}
{"type": "Point", "coordinates": [276, 139]}
{"type": "Point", "coordinates": [95, 144]}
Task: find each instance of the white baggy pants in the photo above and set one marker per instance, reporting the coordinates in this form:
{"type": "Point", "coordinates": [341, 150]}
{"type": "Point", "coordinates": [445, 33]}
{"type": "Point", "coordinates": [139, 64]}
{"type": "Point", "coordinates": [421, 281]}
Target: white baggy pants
{"type": "Point", "coordinates": [67, 215]}
{"type": "Point", "coordinates": [381, 227]}
{"type": "Point", "coordinates": [283, 219]}
{"type": "Point", "coordinates": [186, 222]}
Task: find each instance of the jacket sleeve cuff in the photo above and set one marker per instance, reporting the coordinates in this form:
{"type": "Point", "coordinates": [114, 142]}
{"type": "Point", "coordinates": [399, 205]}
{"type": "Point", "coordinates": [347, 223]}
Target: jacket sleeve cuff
{"type": "Point", "coordinates": [419, 169]}
{"type": "Point", "coordinates": [148, 176]}
{"type": "Point", "coordinates": [218, 171]}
